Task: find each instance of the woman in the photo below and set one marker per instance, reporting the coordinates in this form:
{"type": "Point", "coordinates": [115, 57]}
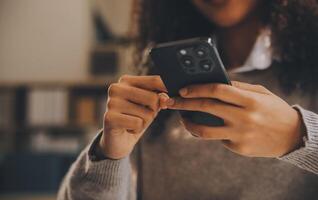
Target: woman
{"type": "Point", "coordinates": [271, 48]}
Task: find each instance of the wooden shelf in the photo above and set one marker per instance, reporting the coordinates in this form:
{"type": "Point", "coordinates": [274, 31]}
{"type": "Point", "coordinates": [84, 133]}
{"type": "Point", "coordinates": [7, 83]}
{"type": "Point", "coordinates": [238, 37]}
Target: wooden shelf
{"type": "Point", "coordinates": [28, 197]}
{"type": "Point", "coordinates": [96, 82]}
{"type": "Point", "coordinates": [68, 127]}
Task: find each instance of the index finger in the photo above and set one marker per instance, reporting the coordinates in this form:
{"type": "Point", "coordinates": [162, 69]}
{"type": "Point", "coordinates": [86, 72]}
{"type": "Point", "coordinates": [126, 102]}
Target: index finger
{"type": "Point", "coordinates": [250, 87]}
{"type": "Point", "coordinates": [222, 92]}
{"type": "Point", "coordinates": [153, 83]}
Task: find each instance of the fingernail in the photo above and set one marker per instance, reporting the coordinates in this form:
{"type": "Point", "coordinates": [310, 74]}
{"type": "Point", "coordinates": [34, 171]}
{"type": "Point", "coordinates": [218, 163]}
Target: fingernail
{"type": "Point", "coordinates": [163, 107]}
{"type": "Point", "coordinates": [170, 102]}
{"type": "Point", "coordinates": [163, 95]}
{"type": "Point", "coordinates": [183, 91]}
{"type": "Point", "coordinates": [163, 99]}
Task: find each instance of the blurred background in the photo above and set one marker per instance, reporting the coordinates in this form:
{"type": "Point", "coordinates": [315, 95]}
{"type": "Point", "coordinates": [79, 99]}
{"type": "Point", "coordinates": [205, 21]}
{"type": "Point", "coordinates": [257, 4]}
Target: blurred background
{"type": "Point", "coordinates": [56, 60]}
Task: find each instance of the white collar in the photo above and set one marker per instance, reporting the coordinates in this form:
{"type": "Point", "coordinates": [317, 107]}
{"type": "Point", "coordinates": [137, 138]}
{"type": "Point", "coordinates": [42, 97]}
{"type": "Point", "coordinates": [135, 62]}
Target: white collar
{"type": "Point", "coordinates": [261, 56]}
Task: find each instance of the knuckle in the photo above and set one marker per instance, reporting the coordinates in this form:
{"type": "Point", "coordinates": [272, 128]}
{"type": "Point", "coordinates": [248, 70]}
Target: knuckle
{"type": "Point", "coordinates": [149, 117]}
{"type": "Point", "coordinates": [261, 88]}
{"type": "Point", "coordinates": [205, 104]}
{"type": "Point", "coordinates": [152, 114]}
{"type": "Point", "coordinates": [257, 118]}
{"type": "Point", "coordinates": [244, 150]}
{"type": "Point", "coordinates": [156, 79]}
{"type": "Point", "coordinates": [251, 117]}
{"type": "Point", "coordinates": [154, 99]}
{"type": "Point", "coordinates": [124, 79]}
{"type": "Point", "coordinates": [216, 88]}
{"type": "Point", "coordinates": [107, 117]}
{"type": "Point", "coordinates": [253, 103]}
{"type": "Point", "coordinates": [235, 83]}
{"type": "Point", "coordinates": [111, 104]}
{"type": "Point", "coordinates": [112, 89]}
{"type": "Point", "coordinates": [138, 123]}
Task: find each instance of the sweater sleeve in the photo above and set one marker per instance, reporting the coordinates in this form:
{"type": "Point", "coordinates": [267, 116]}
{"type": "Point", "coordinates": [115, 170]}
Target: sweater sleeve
{"type": "Point", "coordinates": [97, 180]}
{"type": "Point", "coordinates": [307, 156]}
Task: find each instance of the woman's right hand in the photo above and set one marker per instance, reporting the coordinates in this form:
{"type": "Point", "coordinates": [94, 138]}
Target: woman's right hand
{"type": "Point", "coordinates": [133, 103]}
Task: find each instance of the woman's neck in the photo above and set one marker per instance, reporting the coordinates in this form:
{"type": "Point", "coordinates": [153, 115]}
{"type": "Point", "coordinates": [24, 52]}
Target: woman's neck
{"type": "Point", "coordinates": [236, 42]}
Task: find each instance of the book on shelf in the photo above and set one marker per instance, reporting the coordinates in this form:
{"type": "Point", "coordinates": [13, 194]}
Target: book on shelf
{"type": "Point", "coordinates": [47, 107]}
{"type": "Point", "coordinates": [7, 110]}
{"type": "Point", "coordinates": [85, 111]}
{"type": "Point", "coordinates": [43, 142]}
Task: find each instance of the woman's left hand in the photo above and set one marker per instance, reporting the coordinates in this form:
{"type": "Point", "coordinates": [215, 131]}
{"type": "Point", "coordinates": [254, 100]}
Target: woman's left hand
{"type": "Point", "coordinates": [257, 122]}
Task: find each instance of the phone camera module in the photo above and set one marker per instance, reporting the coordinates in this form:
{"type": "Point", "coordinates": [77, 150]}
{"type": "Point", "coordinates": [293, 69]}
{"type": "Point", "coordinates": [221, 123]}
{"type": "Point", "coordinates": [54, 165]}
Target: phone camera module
{"type": "Point", "coordinates": [206, 65]}
{"type": "Point", "coordinates": [187, 61]}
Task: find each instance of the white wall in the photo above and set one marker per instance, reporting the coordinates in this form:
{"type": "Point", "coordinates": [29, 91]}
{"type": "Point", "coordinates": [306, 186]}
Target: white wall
{"type": "Point", "coordinates": [44, 40]}
{"type": "Point", "coordinates": [116, 14]}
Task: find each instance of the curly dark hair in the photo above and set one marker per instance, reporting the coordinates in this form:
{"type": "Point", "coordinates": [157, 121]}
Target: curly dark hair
{"type": "Point", "coordinates": [294, 25]}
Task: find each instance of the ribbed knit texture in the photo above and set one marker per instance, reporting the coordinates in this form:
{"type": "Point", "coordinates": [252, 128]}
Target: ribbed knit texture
{"type": "Point", "coordinates": [108, 172]}
{"type": "Point", "coordinates": [88, 179]}
{"type": "Point", "coordinates": [98, 171]}
{"type": "Point", "coordinates": [307, 156]}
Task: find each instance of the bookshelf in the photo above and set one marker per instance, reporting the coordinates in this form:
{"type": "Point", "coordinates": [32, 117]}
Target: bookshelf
{"type": "Point", "coordinates": [45, 124]}
{"type": "Point", "coordinates": [28, 197]}
{"type": "Point", "coordinates": [55, 71]}
{"type": "Point", "coordinates": [43, 127]}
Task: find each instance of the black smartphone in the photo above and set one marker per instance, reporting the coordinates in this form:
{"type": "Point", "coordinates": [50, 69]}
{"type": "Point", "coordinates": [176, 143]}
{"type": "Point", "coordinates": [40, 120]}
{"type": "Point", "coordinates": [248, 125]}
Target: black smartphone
{"type": "Point", "coordinates": [187, 62]}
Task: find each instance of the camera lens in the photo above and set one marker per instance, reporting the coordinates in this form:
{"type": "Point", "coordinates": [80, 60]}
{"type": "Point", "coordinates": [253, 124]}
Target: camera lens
{"type": "Point", "coordinates": [201, 51]}
{"type": "Point", "coordinates": [187, 61]}
{"type": "Point", "coordinates": [206, 65]}
{"type": "Point", "coordinates": [183, 52]}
